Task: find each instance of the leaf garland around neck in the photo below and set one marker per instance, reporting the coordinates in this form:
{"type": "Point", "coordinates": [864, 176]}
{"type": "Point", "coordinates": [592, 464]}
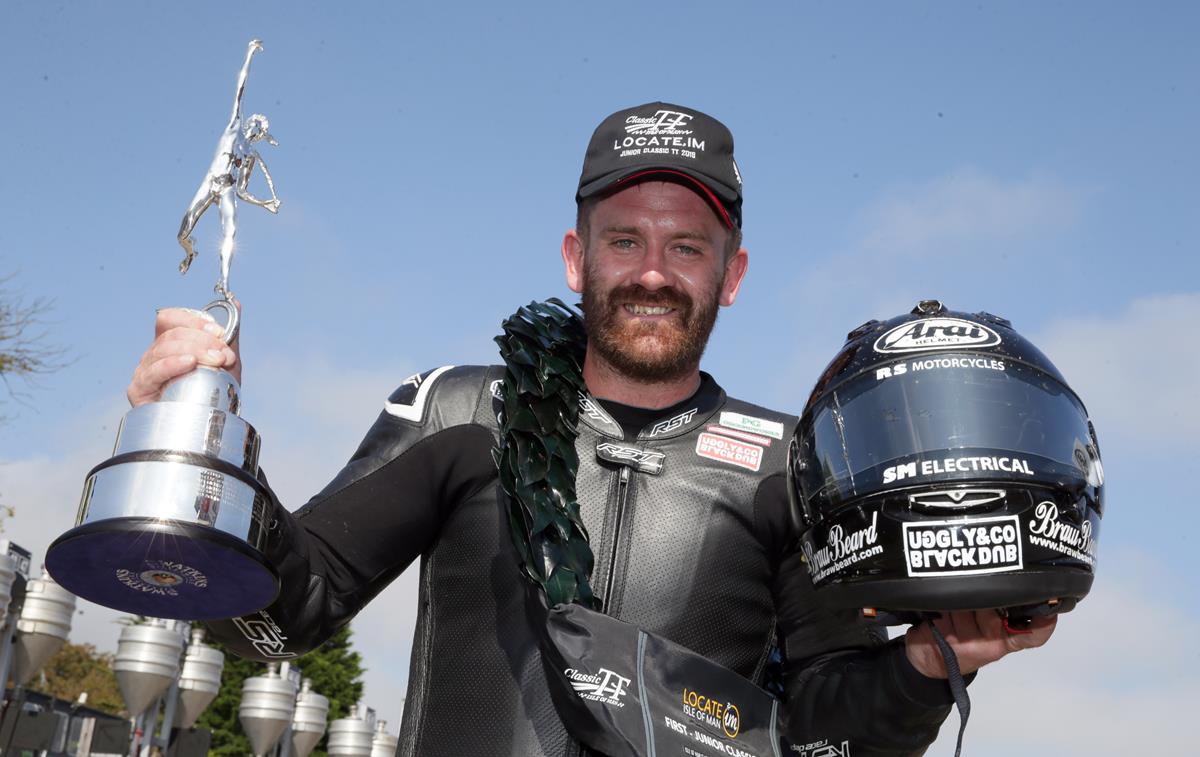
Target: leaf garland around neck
{"type": "Point", "coordinates": [542, 346]}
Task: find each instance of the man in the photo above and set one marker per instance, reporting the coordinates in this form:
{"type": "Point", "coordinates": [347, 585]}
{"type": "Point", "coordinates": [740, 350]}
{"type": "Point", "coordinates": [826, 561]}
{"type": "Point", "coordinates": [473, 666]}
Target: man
{"type": "Point", "coordinates": [682, 490]}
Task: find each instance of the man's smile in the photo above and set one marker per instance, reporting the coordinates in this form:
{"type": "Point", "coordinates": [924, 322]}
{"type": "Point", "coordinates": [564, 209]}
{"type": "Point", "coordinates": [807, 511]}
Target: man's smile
{"type": "Point", "coordinates": [647, 310]}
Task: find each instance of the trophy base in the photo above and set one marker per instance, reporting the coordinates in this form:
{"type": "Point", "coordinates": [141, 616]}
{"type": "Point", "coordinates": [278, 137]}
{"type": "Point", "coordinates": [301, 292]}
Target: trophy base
{"type": "Point", "coordinates": [162, 569]}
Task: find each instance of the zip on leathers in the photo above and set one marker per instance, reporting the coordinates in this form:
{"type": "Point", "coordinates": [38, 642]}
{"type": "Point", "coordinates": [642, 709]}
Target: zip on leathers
{"type": "Point", "coordinates": [623, 480]}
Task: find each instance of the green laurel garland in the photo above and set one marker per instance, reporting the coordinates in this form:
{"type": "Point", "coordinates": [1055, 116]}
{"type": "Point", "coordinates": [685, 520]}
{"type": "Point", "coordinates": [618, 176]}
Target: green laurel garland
{"type": "Point", "coordinates": [542, 347]}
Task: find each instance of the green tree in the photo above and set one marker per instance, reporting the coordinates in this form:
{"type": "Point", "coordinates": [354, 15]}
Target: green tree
{"type": "Point", "coordinates": [336, 672]}
{"type": "Point", "coordinates": [77, 668]}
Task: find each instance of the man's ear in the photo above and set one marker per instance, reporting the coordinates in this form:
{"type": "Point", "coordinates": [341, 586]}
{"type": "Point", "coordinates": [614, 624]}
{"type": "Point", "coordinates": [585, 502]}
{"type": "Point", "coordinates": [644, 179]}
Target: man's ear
{"type": "Point", "coordinates": [572, 255]}
{"type": "Point", "coordinates": [735, 271]}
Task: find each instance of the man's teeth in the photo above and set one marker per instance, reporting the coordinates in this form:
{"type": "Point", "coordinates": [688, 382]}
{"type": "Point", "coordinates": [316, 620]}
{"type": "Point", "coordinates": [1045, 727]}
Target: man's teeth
{"type": "Point", "coordinates": [647, 309]}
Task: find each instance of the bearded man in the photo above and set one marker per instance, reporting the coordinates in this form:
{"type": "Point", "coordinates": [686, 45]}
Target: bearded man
{"type": "Point", "coordinates": [681, 488]}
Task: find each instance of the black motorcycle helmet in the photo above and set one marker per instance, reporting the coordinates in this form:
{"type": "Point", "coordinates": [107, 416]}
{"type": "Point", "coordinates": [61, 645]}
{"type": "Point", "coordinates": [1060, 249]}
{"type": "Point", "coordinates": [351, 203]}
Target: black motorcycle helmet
{"type": "Point", "coordinates": [942, 463]}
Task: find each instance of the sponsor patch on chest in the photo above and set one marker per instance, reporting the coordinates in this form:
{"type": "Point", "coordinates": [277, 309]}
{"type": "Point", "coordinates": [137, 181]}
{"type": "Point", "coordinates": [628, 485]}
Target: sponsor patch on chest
{"type": "Point", "coordinates": [773, 429]}
{"type": "Point", "coordinates": [728, 450]}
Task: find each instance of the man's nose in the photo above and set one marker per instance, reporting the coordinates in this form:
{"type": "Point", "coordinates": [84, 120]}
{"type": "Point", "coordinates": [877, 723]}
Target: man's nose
{"type": "Point", "coordinates": [652, 274]}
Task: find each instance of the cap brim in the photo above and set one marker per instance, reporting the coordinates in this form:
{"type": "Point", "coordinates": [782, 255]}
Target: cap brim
{"type": "Point", "coordinates": [723, 198]}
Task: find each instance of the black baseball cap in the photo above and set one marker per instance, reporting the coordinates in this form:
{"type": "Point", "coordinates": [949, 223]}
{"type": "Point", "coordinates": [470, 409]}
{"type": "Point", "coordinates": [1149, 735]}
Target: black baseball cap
{"type": "Point", "coordinates": [661, 139]}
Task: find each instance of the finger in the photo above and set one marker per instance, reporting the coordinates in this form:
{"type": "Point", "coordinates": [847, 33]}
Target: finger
{"type": "Point", "coordinates": [991, 624]}
{"type": "Point", "coordinates": [173, 353]}
{"type": "Point", "coordinates": [169, 318]}
{"type": "Point", "coordinates": [150, 379]}
{"type": "Point", "coordinates": [203, 351]}
{"type": "Point", "coordinates": [160, 372]}
{"type": "Point", "coordinates": [180, 341]}
{"type": "Point", "coordinates": [943, 623]}
{"type": "Point", "coordinates": [966, 626]}
{"type": "Point", "coordinates": [167, 361]}
{"type": "Point", "coordinates": [218, 356]}
{"type": "Point", "coordinates": [957, 627]}
{"type": "Point", "coordinates": [1039, 633]}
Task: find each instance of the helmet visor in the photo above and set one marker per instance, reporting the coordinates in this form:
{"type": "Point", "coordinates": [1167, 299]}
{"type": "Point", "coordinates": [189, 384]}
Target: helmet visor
{"type": "Point", "coordinates": [944, 417]}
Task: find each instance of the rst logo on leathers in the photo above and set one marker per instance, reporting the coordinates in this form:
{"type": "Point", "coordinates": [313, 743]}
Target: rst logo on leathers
{"type": "Point", "coordinates": [936, 334]}
{"type": "Point", "coordinates": [592, 409]}
{"type": "Point", "coordinates": [672, 424]}
{"type": "Point", "coordinates": [605, 687]}
{"type": "Point", "coordinates": [644, 460]}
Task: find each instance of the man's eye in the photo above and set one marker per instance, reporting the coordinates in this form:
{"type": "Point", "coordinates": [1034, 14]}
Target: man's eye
{"type": "Point", "coordinates": [686, 249]}
{"type": "Point", "coordinates": [624, 244]}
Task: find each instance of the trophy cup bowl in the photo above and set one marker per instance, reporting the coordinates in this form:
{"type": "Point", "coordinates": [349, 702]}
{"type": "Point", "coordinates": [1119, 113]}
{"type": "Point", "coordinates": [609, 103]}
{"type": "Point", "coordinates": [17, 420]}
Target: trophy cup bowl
{"type": "Point", "coordinates": [171, 526]}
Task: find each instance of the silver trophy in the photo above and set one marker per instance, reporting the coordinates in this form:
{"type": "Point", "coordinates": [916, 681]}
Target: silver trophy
{"type": "Point", "coordinates": [172, 525]}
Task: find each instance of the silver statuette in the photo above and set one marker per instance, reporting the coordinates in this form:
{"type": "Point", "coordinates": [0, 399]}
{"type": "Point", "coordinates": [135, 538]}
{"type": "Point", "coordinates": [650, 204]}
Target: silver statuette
{"type": "Point", "coordinates": [228, 178]}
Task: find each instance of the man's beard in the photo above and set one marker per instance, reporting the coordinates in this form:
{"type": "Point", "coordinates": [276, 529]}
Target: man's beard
{"type": "Point", "coordinates": [648, 352]}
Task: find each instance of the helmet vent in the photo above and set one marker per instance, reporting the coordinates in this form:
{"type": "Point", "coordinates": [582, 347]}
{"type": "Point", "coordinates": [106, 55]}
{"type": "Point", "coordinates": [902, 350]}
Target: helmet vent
{"type": "Point", "coordinates": [956, 500]}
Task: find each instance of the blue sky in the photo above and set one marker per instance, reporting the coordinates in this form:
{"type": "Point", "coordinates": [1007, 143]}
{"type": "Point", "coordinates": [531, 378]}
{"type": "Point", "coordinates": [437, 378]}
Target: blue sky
{"type": "Point", "coordinates": [1037, 161]}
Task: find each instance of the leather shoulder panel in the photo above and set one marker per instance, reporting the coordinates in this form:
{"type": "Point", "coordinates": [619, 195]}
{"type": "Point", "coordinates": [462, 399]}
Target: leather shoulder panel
{"type": "Point", "coordinates": [423, 405]}
{"type": "Point", "coordinates": [447, 396]}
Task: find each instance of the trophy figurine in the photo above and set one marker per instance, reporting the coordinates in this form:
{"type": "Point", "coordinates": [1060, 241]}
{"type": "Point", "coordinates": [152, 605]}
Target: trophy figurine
{"type": "Point", "coordinates": [171, 526]}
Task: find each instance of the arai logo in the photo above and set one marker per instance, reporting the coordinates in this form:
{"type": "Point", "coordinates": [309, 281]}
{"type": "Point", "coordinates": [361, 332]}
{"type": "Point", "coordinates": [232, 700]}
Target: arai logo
{"type": "Point", "coordinates": [936, 334]}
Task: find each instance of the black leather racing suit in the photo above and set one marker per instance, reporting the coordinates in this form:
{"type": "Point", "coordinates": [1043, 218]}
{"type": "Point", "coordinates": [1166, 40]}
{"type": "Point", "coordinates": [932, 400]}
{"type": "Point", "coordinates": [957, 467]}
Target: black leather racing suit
{"type": "Point", "coordinates": [691, 533]}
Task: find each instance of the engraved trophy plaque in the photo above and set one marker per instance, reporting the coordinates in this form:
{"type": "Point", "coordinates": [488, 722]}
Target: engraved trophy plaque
{"type": "Point", "coordinates": [171, 525]}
